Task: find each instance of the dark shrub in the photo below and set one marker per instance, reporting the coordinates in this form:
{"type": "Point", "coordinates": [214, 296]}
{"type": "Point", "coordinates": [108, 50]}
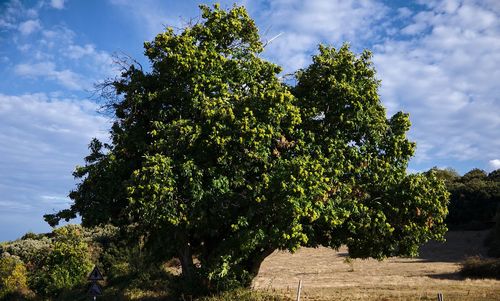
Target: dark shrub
{"type": "Point", "coordinates": [477, 267]}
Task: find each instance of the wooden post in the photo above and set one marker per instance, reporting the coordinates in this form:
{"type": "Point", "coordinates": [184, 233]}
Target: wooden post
{"type": "Point", "coordinates": [299, 289]}
{"type": "Point", "coordinates": [440, 297]}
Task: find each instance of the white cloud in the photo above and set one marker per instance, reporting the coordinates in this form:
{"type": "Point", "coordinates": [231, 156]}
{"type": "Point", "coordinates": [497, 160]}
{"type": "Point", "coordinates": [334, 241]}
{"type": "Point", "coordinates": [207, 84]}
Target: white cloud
{"type": "Point", "coordinates": [43, 139]}
{"type": "Point", "coordinates": [98, 60]}
{"type": "Point", "coordinates": [67, 78]}
{"type": "Point", "coordinates": [57, 4]}
{"type": "Point", "coordinates": [9, 13]}
{"type": "Point", "coordinates": [56, 200]}
{"type": "Point", "coordinates": [51, 52]}
{"type": "Point", "coordinates": [29, 27]}
{"type": "Point", "coordinates": [76, 51]}
{"type": "Point", "coordinates": [6, 24]}
{"type": "Point", "coordinates": [151, 15]}
{"type": "Point", "coordinates": [15, 15]}
{"type": "Point", "coordinates": [305, 24]}
{"type": "Point", "coordinates": [495, 164]}
{"type": "Point", "coordinates": [446, 77]}
{"type": "Point", "coordinates": [441, 63]}
{"type": "Point", "coordinates": [404, 12]}
{"type": "Point", "coordinates": [38, 69]}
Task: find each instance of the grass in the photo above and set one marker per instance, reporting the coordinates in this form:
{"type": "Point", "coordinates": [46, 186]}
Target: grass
{"type": "Point", "coordinates": [327, 274]}
{"type": "Point", "coordinates": [245, 295]}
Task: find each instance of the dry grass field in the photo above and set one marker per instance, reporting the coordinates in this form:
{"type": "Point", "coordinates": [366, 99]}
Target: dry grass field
{"type": "Point", "coordinates": [329, 275]}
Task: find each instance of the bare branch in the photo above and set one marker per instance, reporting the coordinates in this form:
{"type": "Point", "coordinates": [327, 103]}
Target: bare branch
{"type": "Point", "coordinates": [272, 39]}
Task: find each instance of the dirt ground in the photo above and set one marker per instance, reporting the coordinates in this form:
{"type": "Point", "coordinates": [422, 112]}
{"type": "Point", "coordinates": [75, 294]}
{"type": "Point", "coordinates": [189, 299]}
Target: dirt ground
{"type": "Point", "coordinates": [329, 275]}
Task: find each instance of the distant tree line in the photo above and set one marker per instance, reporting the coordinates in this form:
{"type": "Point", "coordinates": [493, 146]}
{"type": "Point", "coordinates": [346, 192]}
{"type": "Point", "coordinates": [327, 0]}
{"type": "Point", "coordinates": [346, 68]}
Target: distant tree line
{"type": "Point", "coordinates": [474, 197]}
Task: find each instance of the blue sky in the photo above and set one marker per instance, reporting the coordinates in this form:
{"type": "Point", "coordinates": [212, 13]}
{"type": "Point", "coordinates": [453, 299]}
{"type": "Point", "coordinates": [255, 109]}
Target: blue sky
{"type": "Point", "coordinates": [438, 61]}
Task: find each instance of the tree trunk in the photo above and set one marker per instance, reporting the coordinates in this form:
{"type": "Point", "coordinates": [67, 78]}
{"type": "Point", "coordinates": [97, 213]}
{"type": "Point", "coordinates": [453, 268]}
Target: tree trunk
{"type": "Point", "coordinates": [253, 263]}
{"type": "Point", "coordinates": [186, 259]}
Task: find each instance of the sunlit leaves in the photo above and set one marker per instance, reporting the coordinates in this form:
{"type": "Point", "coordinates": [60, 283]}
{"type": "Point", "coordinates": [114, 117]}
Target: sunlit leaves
{"type": "Point", "coordinates": [213, 156]}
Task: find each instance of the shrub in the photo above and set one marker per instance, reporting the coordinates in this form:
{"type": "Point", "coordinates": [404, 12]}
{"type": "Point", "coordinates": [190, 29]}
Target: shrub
{"type": "Point", "coordinates": [13, 276]}
{"type": "Point", "coordinates": [29, 250]}
{"type": "Point", "coordinates": [65, 266]}
{"type": "Point", "coordinates": [477, 267]}
{"type": "Point", "coordinates": [59, 261]}
{"type": "Point", "coordinates": [31, 235]}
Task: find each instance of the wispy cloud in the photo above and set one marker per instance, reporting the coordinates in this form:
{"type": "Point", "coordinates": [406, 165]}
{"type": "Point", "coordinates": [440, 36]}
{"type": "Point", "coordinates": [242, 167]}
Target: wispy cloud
{"type": "Point", "coordinates": [446, 75]}
{"type": "Point", "coordinates": [150, 15]}
{"type": "Point", "coordinates": [14, 12]}
{"type": "Point", "coordinates": [305, 24]}
{"type": "Point", "coordinates": [29, 27]}
{"type": "Point", "coordinates": [43, 138]}
{"type": "Point", "coordinates": [56, 200]}
{"type": "Point", "coordinates": [47, 70]}
{"type": "Point", "coordinates": [51, 52]}
{"type": "Point", "coordinates": [57, 4]}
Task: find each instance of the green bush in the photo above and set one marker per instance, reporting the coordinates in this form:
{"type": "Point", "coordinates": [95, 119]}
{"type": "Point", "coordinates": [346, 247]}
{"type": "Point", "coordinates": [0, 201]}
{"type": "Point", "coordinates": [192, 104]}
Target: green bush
{"type": "Point", "coordinates": [57, 263]}
{"type": "Point", "coordinates": [477, 267]}
{"type": "Point", "coordinates": [29, 250]}
{"type": "Point", "coordinates": [65, 266]}
{"type": "Point", "coordinates": [13, 276]}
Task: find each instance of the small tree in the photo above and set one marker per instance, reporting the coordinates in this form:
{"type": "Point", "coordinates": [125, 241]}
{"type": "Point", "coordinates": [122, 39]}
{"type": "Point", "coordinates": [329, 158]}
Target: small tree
{"type": "Point", "coordinates": [65, 265]}
{"type": "Point", "coordinates": [213, 157]}
{"type": "Point", "coordinates": [13, 276]}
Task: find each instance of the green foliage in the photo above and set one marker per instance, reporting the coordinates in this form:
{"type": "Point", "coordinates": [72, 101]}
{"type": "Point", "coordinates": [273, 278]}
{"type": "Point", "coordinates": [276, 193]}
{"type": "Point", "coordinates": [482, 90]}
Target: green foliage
{"type": "Point", "coordinates": [13, 276]}
{"type": "Point", "coordinates": [368, 200]}
{"type": "Point", "coordinates": [214, 158]}
{"type": "Point", "coordinates": [55, 262]}
{"type": "Point", "coordinates": [58, 263]}
{"type": "Point", "coordinates": [65, 266]}
{"type": "Point", "coordinates": [29, 250]}
{"type": "Point", "coordinates": [448, 175]}
{"type": "Point", "coordinates": [474, 197]}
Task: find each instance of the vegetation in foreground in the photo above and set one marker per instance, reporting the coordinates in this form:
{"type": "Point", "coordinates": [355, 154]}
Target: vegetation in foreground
{"type": "Point", "coordinates": [55, 266]}
{"type": "Point", "coordinates": [130, 275]}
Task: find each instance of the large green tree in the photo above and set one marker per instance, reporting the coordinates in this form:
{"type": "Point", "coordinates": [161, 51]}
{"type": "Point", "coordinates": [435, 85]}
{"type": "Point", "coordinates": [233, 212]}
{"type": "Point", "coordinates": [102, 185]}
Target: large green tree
{"type": "Point", "coordinates": [213, 157]}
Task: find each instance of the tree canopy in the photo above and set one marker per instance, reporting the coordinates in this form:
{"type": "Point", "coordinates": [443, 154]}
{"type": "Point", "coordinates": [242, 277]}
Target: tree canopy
{"type": "Point", "coordinates": [474, 197]}
{"type": "Point", "coordinates": [212, 156]}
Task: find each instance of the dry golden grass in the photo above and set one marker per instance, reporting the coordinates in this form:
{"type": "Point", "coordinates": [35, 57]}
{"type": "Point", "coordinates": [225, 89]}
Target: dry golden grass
{"type": "Point", "coordinates": [327, 275]}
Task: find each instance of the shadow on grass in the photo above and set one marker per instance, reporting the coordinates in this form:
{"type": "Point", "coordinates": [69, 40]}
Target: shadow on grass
{"type": "Point", "coordinates": [458, 246]}
{"type": "Point", "coordinates": [447, 276]}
